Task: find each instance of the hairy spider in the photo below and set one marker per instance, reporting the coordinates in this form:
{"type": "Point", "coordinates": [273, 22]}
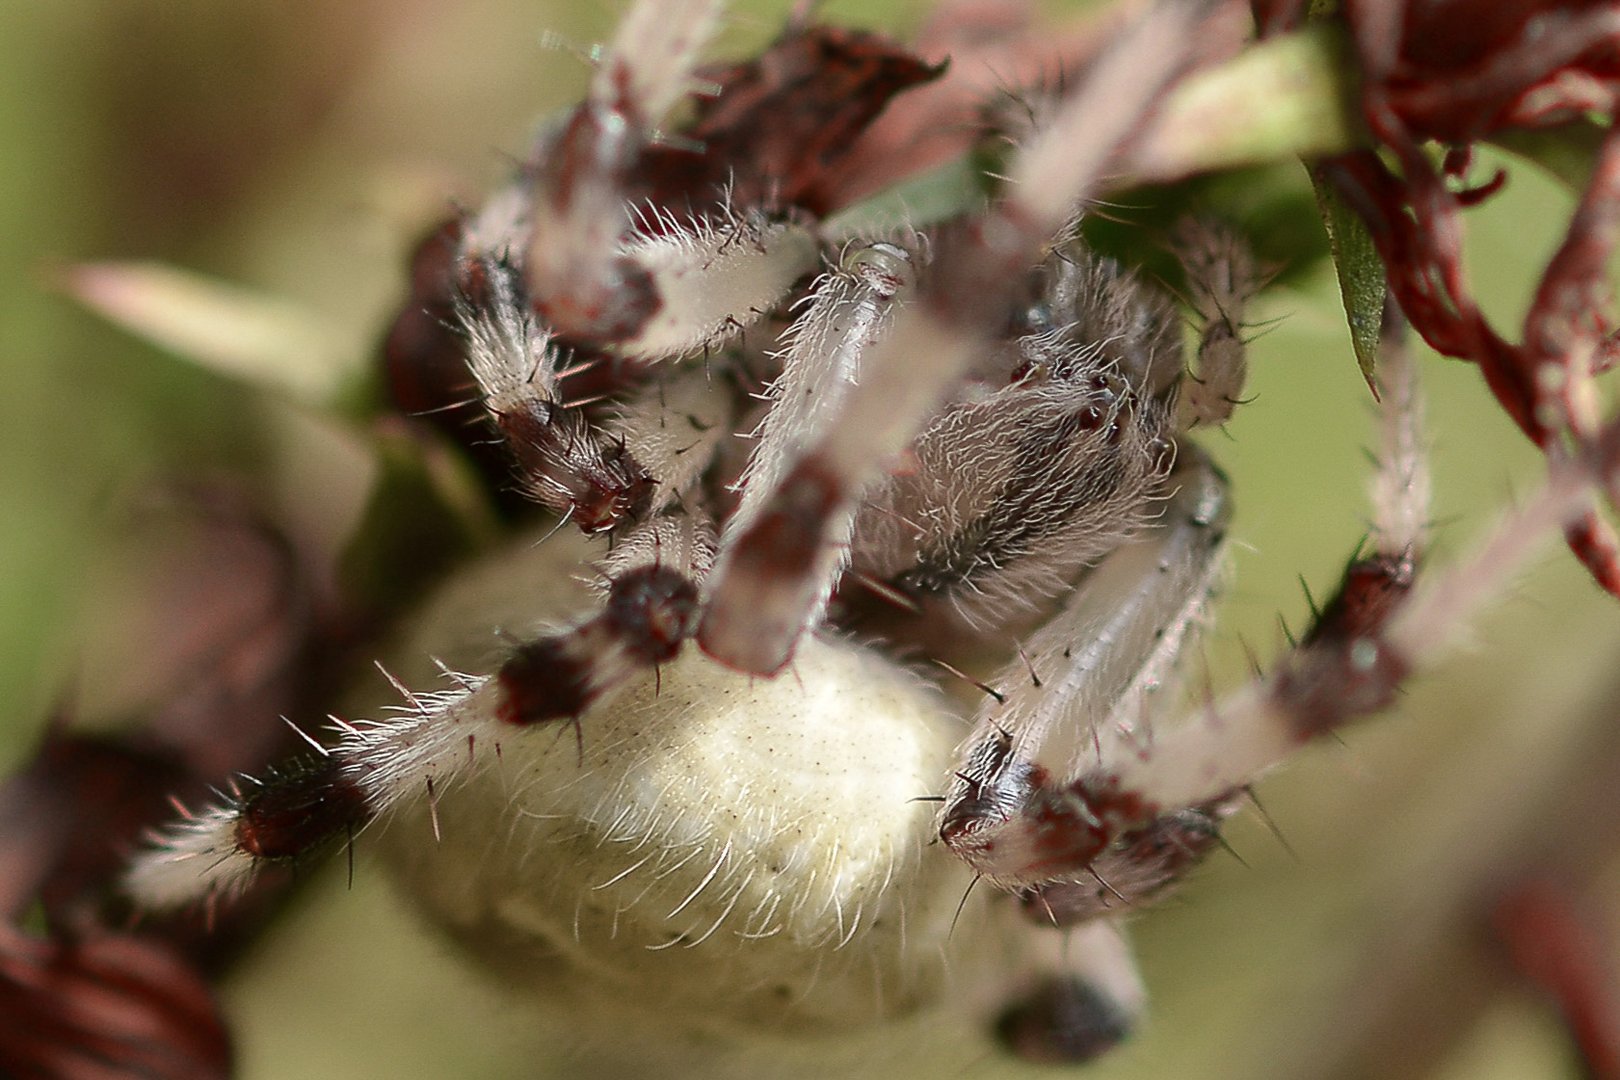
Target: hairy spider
{"type": "Point", "coordinates": [872, 555]}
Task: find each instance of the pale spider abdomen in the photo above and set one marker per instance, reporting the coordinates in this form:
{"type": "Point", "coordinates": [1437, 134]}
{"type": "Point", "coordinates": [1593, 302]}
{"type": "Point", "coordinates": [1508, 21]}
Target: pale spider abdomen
{"type": "Point", "coordinates": [727, 853]}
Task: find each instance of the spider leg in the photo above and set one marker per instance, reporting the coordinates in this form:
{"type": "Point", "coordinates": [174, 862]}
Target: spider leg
{"type": "Point", "coordinates": [711, 275]}
{"type": "Point", "coordinates": [650, 611]}
{"type": "Point", "coordinates": [849, 309]}
{"type": "Point", "coordinates": [778, 588]}
{"type": "Point", "coordinates": [605, 269]}
{"type": "Point", "coordinates": [1024, 826]}
{"type": "Point", "coordinates": [1221, 279]}
{"type": "Point", "coordinates": [574, 255]}
{"type": "Point", "coordinates": [584, 285]}
{"type": "Point", "coordinates": [598, 475]}
{"type": "Point", "coordinates": [563, 461]}
{"type": "Point", "coordinates": [1063, 779]}
{"type": "Point", "coordinates": [1084, 679]}
{"type": "Point", "coordinates": [959, 312]}
{"type": "Point", "coordinates": [1084, 1004]}
{"type": "Point", "coordinates": [441, 738]}
{"type": "Point", "coordinates": [1348, 664]}
{"type": "Point", "coordinates": [1139, 867]}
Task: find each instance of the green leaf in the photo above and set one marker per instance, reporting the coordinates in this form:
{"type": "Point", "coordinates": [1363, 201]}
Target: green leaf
{"type": "Point", "coordinates": [1291, 96]}
{"type": "Point", "coordinates": [941, 193]}
{"type": "Point", "coordinates": [1362, 283]}
{"type": "Point", "coordinates": [1288, 97]}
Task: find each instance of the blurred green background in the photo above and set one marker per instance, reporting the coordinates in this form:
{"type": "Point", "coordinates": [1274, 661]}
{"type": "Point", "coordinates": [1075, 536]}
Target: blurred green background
{"type": "Point", "coordinates": [298, 147]}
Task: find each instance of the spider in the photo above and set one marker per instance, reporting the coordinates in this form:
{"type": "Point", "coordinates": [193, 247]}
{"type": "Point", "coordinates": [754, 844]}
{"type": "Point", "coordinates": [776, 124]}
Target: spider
{"type": "Point", "coordinates": [891, 541]}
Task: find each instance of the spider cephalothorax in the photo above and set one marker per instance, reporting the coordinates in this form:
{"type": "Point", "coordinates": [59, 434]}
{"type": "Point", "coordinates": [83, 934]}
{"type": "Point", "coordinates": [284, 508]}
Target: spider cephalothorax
{"type": "Point", "coordinates": [686, 758]}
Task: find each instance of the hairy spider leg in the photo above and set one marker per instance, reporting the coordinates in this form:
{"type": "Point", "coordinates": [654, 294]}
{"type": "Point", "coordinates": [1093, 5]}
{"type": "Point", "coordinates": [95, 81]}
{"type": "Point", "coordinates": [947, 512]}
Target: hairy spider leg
{"type": "Point", "coordinates": [1055, 782]}
{"type": "Point", "coordinates": [563, 461]}
{"type": "Point", "coordinates": [1372, 635]}
{"type": "Point", "coordinates": [605, 268]}
{"type": "Point", "coordinates": [1221, 280]}
{"type": "Point", "coordinates": [597, 474]}
{"type": "Point", "coordinates": [850, 308]}
{"type": "Point", "coordinates": [959, 311]}
{"type": "Point", "coordinates": [583, 284]}
{"type": "Point", "coordinates": [1344, 667]}
{"type": "Point", "coordinates": [1088, 677]}
{"type": "Point", "coordinates": [1083, 999]}
{"type": "Point", "coordinates": [441, 738]}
